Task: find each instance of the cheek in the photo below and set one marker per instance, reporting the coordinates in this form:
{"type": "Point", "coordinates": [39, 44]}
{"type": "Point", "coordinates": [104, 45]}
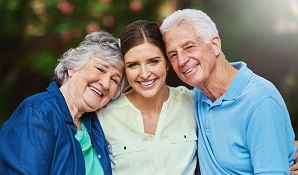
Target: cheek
{"type": "Point", "coordinates": [175, 68]}
{"type": "Point", "coordinates": [112, 91]}
{"type": "Point", "coordinates": [131, 75]}
{"type": "Point", "coordinates": [163, 72]}
{"type": "Point", "coordinates": [93, 76]}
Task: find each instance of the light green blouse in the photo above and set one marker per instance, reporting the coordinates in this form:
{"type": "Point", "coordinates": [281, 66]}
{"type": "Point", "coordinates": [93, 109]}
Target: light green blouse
{"type": "Point", "coordinates": [92, 163]}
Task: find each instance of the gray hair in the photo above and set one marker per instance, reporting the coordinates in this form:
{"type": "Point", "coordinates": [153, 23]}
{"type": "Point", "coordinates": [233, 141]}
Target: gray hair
{"type": "Point", "coordinates": [204, 26]}
{"type": "Point", "coordinates": [101, 46]}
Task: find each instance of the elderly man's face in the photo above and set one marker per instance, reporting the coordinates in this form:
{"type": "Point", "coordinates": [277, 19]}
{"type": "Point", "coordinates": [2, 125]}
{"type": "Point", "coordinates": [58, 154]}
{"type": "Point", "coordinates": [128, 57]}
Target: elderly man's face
{"type": "Point", "coordinates": [192, 59]}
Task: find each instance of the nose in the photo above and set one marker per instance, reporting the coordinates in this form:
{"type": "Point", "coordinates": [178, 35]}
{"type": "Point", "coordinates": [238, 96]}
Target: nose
{"type": "Point", "coordinates": [182, 59]}
{"type": "Point", "coordinates": [105, 81]}
{"type": "Point", "coordinates": [144, 72]}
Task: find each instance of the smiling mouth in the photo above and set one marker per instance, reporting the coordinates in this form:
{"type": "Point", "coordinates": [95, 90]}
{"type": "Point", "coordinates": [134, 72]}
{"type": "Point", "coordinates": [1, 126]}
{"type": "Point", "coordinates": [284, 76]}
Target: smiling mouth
{"type": "Point", "coordinates": [147, 83]}
{"type": "Point", "coordinates": [96, 91]}
{"type": "Point", "coordinates": [189, 70]}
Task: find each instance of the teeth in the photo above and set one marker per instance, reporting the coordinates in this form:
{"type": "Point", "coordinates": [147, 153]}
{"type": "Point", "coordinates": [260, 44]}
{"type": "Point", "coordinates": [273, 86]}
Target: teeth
{"type": "Point", "coordinates": [146, 83]}
{"type": "Point", "coordinates": [95, 90]}
{"type": "Point", "coordinates": [189, 70]}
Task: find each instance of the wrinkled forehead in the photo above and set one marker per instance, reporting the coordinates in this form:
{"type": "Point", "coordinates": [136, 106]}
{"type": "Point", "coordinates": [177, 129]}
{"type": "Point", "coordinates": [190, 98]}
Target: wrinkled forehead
{"type": "Point", "coordinates": [108, 61]}
{"type": "Point", "coordinates": [179, 35]}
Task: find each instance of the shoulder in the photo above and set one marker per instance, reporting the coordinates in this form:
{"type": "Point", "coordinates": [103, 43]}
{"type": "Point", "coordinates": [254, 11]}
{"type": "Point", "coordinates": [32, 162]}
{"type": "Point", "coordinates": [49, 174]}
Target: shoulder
{"type": "Point", "coordinates": [255, 85]}
{"type": "Point", "coordinates": [181, 91]}
{"type": "Point", "coordinates": [115, 106]}
{"type": "Point", "coordinates": [118, 102]}
{"type": "Point", "coordinates": [261, 87]}
{"type": "Point", "coordinates": [38, 109]}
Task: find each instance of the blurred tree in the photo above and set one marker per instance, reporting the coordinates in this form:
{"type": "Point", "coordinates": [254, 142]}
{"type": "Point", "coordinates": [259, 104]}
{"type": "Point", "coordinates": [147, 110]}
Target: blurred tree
{"type": "Point", "coordinates": [33, 33]}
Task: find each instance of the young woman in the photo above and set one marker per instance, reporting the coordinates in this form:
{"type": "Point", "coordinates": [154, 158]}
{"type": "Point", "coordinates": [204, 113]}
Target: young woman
{"type": "Point", "coordinates": [151, 129]}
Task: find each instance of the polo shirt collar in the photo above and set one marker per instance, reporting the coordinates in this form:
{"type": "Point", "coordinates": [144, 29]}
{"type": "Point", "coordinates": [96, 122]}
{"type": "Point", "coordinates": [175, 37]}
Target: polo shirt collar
{"type": "Point", "coordinates": [240, 81]}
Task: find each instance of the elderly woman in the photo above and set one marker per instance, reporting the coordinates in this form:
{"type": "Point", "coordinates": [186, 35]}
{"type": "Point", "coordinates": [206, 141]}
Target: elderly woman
{"type": "Point", "coordinates": [57, 131]}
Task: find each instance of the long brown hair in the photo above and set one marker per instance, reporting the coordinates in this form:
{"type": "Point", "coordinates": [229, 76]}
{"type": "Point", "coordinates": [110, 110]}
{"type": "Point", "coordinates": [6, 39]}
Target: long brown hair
{"type": "Point", "coordinates": [140, 32]}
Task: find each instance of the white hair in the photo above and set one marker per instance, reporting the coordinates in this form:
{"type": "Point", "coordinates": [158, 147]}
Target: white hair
{"type": "Point", "coordinates": [101, 46]}
{"type": "Point", "coordinates": [204, 26]}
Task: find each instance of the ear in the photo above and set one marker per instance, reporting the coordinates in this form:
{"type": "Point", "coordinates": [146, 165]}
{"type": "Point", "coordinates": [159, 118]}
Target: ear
{"type": "Point", "coordinates": [70, 72]}
{"type": "Point", "coordinates": [216, 43]}
{"type": "Point", "coordinates": [168, 66]}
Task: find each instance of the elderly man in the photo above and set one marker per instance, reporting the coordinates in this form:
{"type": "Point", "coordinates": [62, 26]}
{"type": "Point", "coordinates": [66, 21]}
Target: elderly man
{"type": "Point", "coordinates": [244, 125]}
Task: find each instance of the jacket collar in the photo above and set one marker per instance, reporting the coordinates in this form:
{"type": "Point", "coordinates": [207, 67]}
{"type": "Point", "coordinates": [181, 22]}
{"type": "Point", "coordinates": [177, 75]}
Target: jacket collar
{"type": "Point", "coordinates": [56, 93]}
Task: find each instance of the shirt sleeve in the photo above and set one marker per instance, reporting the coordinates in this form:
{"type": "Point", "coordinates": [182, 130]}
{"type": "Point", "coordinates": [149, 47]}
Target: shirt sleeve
{"type": "Point", "coordinates": [26, 143]}
{"type": "Point", "coordinates": [268, 140]}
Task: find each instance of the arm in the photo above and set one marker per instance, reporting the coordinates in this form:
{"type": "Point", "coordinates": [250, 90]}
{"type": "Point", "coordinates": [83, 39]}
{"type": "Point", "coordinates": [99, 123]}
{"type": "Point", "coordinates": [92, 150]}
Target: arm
{"type": "Point", "coordinates": [269, 137]}
{"type": "Point", "coordinates": [26, 143]}
{"type": "Point", "coordinates": [295, 166]}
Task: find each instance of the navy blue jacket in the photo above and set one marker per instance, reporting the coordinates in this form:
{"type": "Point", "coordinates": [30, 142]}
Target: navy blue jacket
{"type": "Point", "coordinates": [39, 138]}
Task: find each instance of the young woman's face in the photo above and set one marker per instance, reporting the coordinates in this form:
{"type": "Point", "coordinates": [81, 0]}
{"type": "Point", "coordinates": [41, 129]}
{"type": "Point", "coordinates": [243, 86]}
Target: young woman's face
{"type": "Point", "coordinates": [146, 69]}
{"type": "Point", "coordinates": [93, 85]}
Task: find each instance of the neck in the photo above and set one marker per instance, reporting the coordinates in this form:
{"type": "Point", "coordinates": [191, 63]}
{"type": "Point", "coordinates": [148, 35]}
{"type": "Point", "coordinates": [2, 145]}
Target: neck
{"type": "Point", "coordinates": [155, 103]}
{"type": "Point", "coordinates": [74, 112]}
{"type": "Point", "coordinates": [149, 107]}
{"type": "Point", "coordinates": [219, 80]}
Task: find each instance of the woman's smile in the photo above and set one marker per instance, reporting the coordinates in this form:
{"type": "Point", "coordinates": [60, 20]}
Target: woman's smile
{"type": "Point", "coordinates": [147, 83]}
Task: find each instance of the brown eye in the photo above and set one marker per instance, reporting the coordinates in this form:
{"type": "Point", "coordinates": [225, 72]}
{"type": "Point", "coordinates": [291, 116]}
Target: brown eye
{"type": "Point", "coordinates": [115, 81]}
{"type": "Point", "coordinates": [100, 69]}
{"type": "Point", "coordinates": [132, 65]}
{"type": "Point", "coordinates": [173, 57]}
{"type": "Point", "coordinates": [153, 61]}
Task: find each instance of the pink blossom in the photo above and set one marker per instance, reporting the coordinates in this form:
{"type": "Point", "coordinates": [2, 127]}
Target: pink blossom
{"type": "Point", "coordinates": [65, 7]}
{"type": "Point", "coordinates": [68, 35]}
{"type": "Point", "coordinates": [92, 27]}
{"type": "Point", "coordinates": [105, 1]}
{"type": "Point", "coordinates": [136, 6]}
{"type": "Point", "coordinates": [108, 20]}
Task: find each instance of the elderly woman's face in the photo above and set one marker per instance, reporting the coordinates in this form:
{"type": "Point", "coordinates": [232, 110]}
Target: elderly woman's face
{"type": "Point", "coordinates": [93, 85]}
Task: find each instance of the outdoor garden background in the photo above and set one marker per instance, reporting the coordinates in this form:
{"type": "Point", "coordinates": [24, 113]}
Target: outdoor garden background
{"type": "Point", "coordinates": [34, 33]}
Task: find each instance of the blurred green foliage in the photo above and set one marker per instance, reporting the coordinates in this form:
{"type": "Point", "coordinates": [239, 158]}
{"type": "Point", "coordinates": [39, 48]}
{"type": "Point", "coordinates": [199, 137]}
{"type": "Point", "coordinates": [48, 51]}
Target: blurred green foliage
{"type": "Point", "coordinates": [34, 33]}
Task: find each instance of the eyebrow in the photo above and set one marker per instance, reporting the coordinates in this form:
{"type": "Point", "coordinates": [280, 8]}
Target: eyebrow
{"type": "Point", "coordinates": [182, 45]}
{"type": "Point", "coordinates": [130, 62]}
{"type": "Point", "coordinates": [118, 75]}
{"type": "Point", "coordinates": [187, 43]}
{"type": "Point", "coordinates": [108, 67]}
{"type": "Point", "coordinates": [156, 57]}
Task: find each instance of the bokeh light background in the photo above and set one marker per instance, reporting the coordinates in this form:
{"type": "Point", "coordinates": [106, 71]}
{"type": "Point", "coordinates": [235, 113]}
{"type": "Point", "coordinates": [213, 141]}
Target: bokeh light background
{"type": "Point", "coordinates": [34, 33]}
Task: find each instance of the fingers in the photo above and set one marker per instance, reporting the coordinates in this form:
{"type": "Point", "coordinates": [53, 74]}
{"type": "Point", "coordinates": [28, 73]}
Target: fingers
{"type": "Point", "coordinates": [294, 173]}
{"type": "Point", "coordinates": [296, 157]}
{"type": "Point", "coordinates": [295, 166]}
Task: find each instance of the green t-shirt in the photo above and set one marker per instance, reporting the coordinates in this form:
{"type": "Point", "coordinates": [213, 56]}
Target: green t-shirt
{"type": "Point", "coordinates": [92, 163]}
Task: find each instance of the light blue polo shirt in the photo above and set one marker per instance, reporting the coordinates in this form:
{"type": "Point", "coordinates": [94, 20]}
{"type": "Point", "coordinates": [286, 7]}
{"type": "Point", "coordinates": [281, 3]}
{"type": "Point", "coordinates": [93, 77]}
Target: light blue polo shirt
{"type": "Point", "coordinates": [247, 130]}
